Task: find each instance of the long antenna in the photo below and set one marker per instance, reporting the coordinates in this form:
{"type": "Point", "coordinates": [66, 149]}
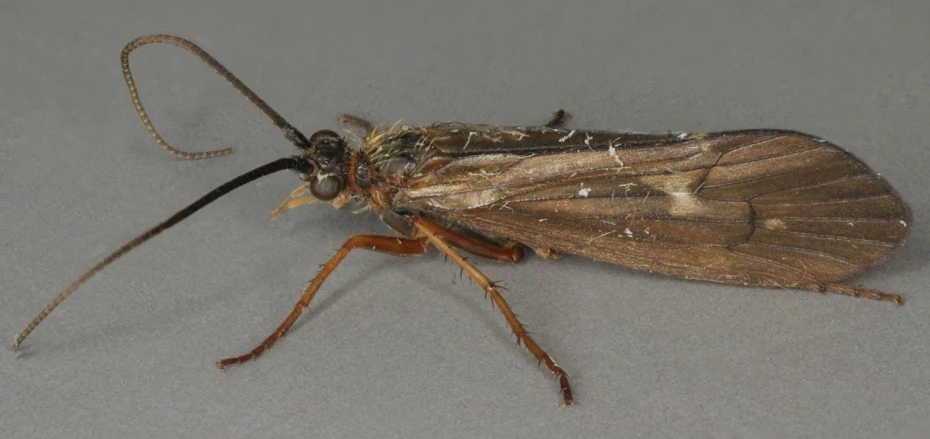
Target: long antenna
{"type": "Point", "coordinates": [225, 188]}
{"type": "Point", "coordinates": [292, 134]}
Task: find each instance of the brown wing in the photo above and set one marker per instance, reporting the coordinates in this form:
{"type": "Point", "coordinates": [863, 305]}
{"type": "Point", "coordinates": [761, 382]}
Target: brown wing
{"type": "Point", "coordinates": [755, 207]}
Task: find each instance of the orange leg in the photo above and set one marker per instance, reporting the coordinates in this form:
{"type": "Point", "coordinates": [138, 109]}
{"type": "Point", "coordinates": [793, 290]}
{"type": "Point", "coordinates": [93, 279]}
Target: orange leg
{"type": "Point", "coordinates": [384, 244]}
{"type": "Point", "coordinates": [507, 253]}
{"type": "Point", "coordinates": [434, 233]}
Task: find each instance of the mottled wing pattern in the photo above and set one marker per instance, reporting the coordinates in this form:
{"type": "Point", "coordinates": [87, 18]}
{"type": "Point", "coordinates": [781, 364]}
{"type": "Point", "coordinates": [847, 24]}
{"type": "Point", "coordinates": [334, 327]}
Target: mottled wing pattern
{"type": "Point", "coordinates": [754, 207]}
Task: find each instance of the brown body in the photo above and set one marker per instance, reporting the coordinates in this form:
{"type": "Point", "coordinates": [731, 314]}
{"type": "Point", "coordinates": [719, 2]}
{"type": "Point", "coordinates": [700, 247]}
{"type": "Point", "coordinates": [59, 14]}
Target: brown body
{"type": "Point", "coordinates": [765, 207]}
{"type": "Point", "coordinates": [759, 207]}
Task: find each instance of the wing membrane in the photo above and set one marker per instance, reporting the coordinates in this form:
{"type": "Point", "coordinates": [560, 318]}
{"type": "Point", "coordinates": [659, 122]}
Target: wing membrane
{"type": "Point", "coordinates": [754, 207]}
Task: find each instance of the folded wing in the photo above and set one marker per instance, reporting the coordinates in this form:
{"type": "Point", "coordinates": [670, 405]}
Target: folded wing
{"type": "Point", "coordinates": [765, 207]}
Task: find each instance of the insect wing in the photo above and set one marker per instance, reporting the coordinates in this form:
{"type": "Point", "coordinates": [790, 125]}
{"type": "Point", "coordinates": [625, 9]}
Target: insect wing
{"type": "Point", "coordinates": [764, 207]}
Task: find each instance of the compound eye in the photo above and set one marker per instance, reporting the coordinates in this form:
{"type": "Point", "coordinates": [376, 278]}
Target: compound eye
{"type": "Point", "coordinates": [325, 137]}
{"type": "Point", "coordinates": [326, 188]}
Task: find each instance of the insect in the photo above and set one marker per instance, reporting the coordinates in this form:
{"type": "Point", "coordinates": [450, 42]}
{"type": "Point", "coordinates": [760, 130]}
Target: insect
{"type": "Point", "coordinates": [768, 208]}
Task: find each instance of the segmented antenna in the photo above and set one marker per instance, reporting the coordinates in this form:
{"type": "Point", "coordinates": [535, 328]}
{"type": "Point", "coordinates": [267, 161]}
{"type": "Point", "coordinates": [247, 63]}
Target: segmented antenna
{"type": "Point", "coordinates": [292, 134]}
{"type": "Point", "coordinates": [225, 188]}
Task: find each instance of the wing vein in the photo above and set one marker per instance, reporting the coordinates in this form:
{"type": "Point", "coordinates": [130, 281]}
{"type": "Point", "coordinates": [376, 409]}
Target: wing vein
{"type": "Point", "coordinates": [767, 158]}
{"type": "Point", "coordinates": [815, 202]}
{"type": "Point", "coordinates": [778, 174]}
{"type": "Point", "coordinates": [806, 251]}
{"type": "Point", "coordinates": [835, 237]}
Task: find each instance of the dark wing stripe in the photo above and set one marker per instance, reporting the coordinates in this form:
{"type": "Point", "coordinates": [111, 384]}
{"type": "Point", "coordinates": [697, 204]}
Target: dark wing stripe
{"type": "Point", "coordinates": [849, 187]}
{"type": "Point", "coordinates": [720, 175]}
{"type": "Point", "coordinates": [881, 207]}
{"type": "Point", "coordinates": [742, 253]}
{"type": "Point", "coordinates": [751, 188]}
{"type": "Point", "coordinates": [770, 148]}
{"type": "Point", "coordinates": [836, 237]}
{"type": "Point", "coordinates": [783, 180]}
{"type": "Point", "coordinates": [828, 219]}
{"type": "Point", "coordinates": [817, 264]}
{"type": "Point", "coordinates": [858, 253]}
{"type": "Point", "coordinates": [881, 195]}
{"type": "Point", "coordinates": [891, 231]}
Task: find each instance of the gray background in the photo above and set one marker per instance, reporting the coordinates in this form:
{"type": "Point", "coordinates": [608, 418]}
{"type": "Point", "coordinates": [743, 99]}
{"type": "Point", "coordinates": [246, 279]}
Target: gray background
{"type": "Point", "coordinates": [403, 348]}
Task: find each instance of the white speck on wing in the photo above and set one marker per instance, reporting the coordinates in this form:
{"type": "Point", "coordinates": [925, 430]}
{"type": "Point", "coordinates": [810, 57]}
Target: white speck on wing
{"type": "Point", "coordinates": [599, 236]}
{"type": "Point", "coordinates": [470, 135]}
{"type": "Point", "coordinates": [627, 186]}
{"type": "Point", "coordinates": [613, 153]}
{"type": "Point", "coordinates": [518, 134]}
{"type": "Point", "coordinates": [682, 135]}
{"type": "Point", "coordinates": [584, 191]}
{"type": "Point", "coordinates": [567, 136]}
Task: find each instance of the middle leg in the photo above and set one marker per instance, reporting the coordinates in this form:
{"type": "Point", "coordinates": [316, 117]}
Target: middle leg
{"type": "Point", "coordinates": [434, 233]}
{"type": "Point", "coordinates": [509, 252]}
{"type": "Point", "coordinates": [383, 244]}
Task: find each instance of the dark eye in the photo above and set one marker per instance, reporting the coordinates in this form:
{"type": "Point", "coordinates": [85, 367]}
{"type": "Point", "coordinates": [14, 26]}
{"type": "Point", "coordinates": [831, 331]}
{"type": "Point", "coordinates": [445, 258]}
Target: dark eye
{"type": "Point", "coordinates": [324, 137]}
{"type": "Point", "coordinates": [327, 188]}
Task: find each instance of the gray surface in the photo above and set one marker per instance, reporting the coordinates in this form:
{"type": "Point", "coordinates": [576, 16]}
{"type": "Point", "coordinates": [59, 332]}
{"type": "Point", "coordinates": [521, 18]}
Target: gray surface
{"type": "Point", "coordinates": [402, 348]}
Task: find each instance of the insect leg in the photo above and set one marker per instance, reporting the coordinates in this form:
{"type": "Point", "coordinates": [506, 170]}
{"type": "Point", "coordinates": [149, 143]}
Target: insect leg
{"type": "Point", "coordinates": [558, 119]}
{"type": "Point", "coordinates": [357, 122]}
{"type": "Point", "coordinates": [431, 232]}
{"type": "Point", "coordinates": [511, 252]}
{"type": "Point", "coordinates": [384, 244]}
